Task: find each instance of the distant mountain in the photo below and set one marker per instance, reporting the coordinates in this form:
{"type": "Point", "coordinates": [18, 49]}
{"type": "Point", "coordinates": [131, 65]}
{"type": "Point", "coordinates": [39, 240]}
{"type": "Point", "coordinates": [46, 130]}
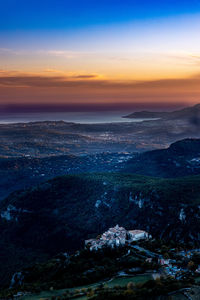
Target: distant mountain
{"type": "Point", "coordinates": [192, 113]}
{"type": "Point", "coordinates": [146, 115]}
{"type": "Point", "coordinates": [59, 214]}
{"type": "Point", "coordinates": [182, 158]}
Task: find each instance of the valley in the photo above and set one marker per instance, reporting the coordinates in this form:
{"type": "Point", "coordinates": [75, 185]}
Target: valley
{"type": "Point", "coordinates": [99, 150]}
{"type": "Point", "coordinates": [20, 173]}
{"type": "Point", "coordinates": [63, 183]}
{"type": "Point", "coordinates": [41, 139]}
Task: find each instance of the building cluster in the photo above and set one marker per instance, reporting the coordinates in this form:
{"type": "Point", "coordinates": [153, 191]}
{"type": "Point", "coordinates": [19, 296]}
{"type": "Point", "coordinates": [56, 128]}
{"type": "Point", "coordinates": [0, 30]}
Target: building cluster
{"type": "Point", "coordinates": [170, 266]}
{"type": "Point", "coordinates": [115, 237]}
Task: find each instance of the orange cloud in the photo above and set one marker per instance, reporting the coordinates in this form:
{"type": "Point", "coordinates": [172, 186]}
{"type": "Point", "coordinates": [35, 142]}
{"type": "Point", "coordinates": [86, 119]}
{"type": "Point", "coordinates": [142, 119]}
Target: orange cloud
{"type": "Point", "coordinates": [13, 79]}
{"type": "Point", "coordinates": [24, 88]}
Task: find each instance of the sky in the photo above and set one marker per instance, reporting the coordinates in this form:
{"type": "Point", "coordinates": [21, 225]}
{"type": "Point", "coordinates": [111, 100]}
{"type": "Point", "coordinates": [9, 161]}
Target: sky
{"type": "Point", "coordinates": [103, 53]}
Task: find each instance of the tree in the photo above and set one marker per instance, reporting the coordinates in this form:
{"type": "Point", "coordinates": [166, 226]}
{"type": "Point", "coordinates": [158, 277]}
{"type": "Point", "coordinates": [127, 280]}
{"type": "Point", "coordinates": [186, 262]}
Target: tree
{"type": "Point", "coordinates": [130, 285]}
{"type": "Point", "coordinates": [90, 293]}
{"type": "Point", "coordinates": [191, 265]}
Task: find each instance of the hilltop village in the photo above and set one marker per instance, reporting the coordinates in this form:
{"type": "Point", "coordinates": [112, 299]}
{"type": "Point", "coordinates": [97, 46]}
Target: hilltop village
{"type": "Point", "coordinates": [173, 264]}
{"type": "Point", "coordinates": [132, 256]}
{"type": "Point", "coordinates": [115, 237]}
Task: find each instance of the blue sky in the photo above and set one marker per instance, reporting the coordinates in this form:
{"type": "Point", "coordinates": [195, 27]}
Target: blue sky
{"type": "Point", "coordinates": [65, 14]}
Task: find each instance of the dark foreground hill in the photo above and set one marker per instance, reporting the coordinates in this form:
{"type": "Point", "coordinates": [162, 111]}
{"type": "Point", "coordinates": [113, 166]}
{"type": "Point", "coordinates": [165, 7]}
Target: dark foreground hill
{"type": "Point", "coordinates": [59, 214]}
{"type": "Point", "coordinates": [182, 158]}
{"type": "Point", "coordinates": [17, 173]}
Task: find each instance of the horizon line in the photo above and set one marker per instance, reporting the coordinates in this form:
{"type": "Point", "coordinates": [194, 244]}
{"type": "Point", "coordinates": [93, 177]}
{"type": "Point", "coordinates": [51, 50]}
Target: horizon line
{"type": "Point", "coordinates": [88, 107]}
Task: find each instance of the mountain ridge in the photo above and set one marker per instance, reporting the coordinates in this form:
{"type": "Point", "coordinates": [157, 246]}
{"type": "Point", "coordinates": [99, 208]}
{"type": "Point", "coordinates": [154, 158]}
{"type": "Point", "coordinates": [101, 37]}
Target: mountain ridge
{"type": "Point", "coordinates": [185, 113]}
{"type": "Point", "coordinates": [181, 158]}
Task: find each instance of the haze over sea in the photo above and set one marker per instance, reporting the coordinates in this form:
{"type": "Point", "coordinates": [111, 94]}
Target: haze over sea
{"type": "Point", "coordinates": [75, 117]}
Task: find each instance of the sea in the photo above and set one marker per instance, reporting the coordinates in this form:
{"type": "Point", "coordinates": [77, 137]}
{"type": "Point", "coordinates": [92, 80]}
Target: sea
{"type": "Point", "coordinates": [75, 117]}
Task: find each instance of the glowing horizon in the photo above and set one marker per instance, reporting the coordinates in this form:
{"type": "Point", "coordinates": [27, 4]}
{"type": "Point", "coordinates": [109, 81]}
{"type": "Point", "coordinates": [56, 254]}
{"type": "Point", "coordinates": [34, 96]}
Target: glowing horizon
{"type": "Point", "coordinates": [75, 53]}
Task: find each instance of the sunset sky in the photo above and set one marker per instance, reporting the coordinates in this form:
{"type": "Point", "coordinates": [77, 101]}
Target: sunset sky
{"type": "Point", "coordinates": [99, 52]}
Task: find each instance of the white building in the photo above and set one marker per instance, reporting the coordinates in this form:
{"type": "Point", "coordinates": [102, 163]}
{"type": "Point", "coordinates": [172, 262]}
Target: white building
{"type": "Point", "coordinates": [163, 261]}
{"type": "Point", "coordinates": [136, 235]}
{"type": "Point", "coordinates": [115, 237]}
